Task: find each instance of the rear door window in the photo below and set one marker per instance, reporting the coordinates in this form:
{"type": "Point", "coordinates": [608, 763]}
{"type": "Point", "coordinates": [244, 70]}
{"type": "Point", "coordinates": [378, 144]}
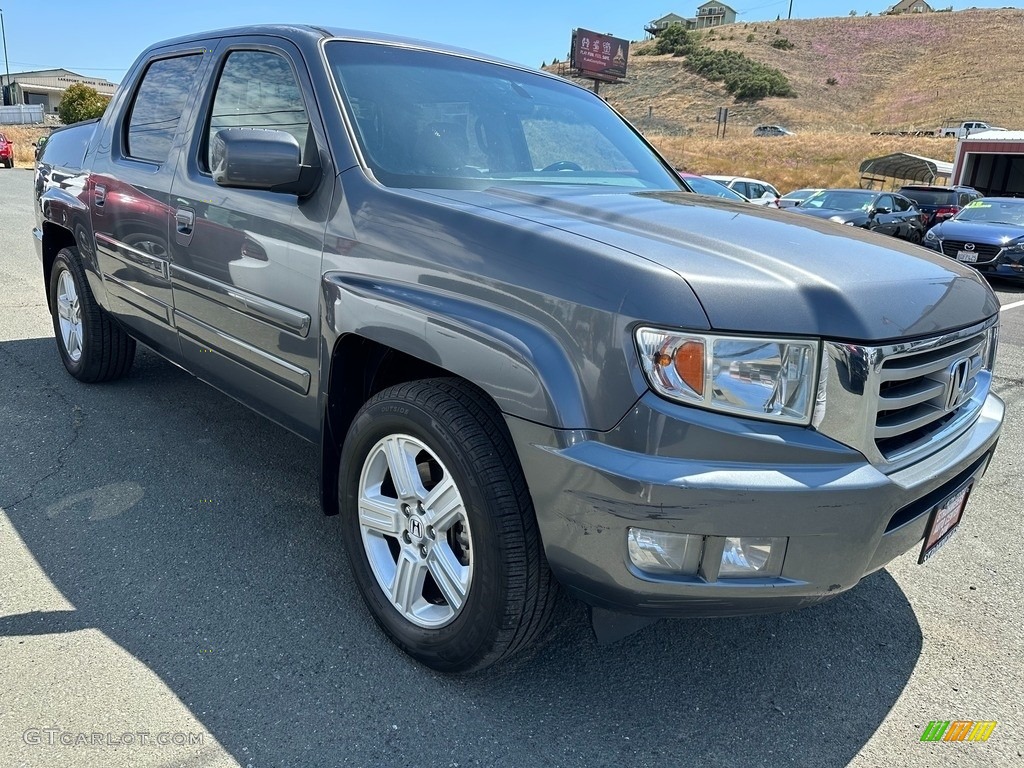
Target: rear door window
{"type": "Point", "coordinates": [158, 107]}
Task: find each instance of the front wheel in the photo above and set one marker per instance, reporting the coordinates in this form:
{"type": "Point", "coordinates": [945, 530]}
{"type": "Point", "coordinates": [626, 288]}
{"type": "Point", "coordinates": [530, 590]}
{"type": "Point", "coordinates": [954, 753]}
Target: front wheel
{"type": "Point", "coordinates": [439, 526]}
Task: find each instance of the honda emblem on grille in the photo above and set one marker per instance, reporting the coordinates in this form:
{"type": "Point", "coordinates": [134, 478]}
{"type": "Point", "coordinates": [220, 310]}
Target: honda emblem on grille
{"type": "Point", "coordinates": [968, 246]}
{"type": "Point", "coordinates": [956, 388]}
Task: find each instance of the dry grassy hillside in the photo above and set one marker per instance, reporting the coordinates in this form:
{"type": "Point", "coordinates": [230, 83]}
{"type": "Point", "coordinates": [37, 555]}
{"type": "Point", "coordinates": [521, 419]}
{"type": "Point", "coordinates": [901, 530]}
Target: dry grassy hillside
{"type": "Point", "coordinates": [888, 73]}
{"type": "Point", "coordinates": [910, 71]}
{"type": "Point", "coordinates": [23, 136]}
{"type": "Point", "coordinates": [810, 159]}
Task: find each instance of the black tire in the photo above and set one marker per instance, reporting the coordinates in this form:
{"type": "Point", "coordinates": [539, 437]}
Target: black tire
{"type": "Point", "coordinates": [106, 352]}
{"type": "Point", "coordinates": [511, 594]}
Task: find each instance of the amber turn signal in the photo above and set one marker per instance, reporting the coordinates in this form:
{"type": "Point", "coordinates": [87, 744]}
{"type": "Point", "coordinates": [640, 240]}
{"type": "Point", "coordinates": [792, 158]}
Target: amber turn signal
{"type": "Point", "coordinates": [689, 363]}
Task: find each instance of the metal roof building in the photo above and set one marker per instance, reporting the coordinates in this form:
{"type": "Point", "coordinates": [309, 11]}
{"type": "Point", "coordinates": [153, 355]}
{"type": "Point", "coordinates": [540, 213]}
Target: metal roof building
{"type": "Point", "coordinates": [46, 87]}
{"type": "Point", "coordinates": [992, 162]}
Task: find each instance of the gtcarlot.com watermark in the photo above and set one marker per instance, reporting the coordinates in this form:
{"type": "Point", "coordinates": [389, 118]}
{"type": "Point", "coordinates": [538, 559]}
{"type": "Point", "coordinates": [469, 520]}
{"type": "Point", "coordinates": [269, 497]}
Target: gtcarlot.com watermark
{"type": "Point", "coordinates": [55, 736]}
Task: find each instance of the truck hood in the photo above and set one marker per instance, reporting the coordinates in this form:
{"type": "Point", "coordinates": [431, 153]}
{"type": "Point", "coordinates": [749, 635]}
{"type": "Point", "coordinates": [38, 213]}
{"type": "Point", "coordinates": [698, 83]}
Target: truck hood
{"type": "Point", "coordinates": [764, 270]}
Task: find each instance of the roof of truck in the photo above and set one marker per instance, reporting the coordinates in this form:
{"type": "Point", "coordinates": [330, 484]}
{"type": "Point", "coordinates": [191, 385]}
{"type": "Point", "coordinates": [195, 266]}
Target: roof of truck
{"type": "Point", "coordinates": [313, 33]}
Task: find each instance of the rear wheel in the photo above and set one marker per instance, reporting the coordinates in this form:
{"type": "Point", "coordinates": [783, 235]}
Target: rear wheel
{"type": "Point", "coordinates": [92, 346]}
{"type": "Point", "coordinates": [439, 526]}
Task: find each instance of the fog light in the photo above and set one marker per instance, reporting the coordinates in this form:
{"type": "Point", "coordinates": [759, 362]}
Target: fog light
{"type": "Point", "coordinates": [752, 557]}
{"type": "Point", "coordinates": [660, 552]}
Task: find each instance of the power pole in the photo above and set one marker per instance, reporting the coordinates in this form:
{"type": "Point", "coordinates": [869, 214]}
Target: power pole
{"type": "Point", "coordinates": [3, 32]}
{"type": "Point", "coordinates": [790, 16]}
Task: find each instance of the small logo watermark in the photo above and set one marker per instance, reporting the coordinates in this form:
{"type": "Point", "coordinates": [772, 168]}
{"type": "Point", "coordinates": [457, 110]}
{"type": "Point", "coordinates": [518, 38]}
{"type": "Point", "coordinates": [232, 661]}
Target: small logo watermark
{"type": "Point", "coordinates": [56, 736]}
{"type": "Point", "coordinates": [958, 730]}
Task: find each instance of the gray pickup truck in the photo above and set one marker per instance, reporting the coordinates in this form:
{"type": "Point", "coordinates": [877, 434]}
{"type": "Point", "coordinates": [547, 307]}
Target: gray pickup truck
{"type": "Point", "coordinates": [530, 357]}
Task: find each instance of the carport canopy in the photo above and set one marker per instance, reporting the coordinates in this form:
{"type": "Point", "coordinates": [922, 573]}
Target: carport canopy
{"type": "Point", "coordinates": [902, 166]}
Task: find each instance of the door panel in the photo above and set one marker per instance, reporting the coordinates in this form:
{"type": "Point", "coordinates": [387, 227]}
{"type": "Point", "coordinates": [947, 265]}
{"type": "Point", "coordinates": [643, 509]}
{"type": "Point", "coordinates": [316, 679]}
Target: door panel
{"type": "Point", "coordinates": [245, 267]}
{"type": "Point", "coordinates": [129, 192]}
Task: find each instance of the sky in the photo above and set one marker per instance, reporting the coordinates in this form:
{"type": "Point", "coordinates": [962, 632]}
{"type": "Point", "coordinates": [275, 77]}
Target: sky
{"type": "Point", "coordinates": [101, 38]}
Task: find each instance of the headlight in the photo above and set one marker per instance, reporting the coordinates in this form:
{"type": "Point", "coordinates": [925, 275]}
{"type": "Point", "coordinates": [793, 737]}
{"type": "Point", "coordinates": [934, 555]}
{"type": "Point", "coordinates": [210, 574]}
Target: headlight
{"type": "Point", "coordinates": [1016, 247]}
{"type": "Point", "coordinates": [772, 379]}
{"type": "Point", "coordinates": [838, 219]}
{"type": "Point", "coordinates": [930, 236]}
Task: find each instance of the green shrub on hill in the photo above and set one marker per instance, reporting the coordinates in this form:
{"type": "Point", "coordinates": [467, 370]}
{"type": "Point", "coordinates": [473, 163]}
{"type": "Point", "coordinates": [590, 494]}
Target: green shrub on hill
{"type": "Point", "coordinates": [675, 40]}
{"type": "Point", "coordinates": [743, 77]}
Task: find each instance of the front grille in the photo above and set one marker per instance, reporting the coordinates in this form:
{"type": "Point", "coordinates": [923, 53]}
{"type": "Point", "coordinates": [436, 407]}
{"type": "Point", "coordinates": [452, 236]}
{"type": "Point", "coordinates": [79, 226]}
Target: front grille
{"type": "Point", "coordinates": [985, 252]}
{"type": "Point", "coordinates": [920, 393]}
{"type": "Point", "coordinates": [897, 403]}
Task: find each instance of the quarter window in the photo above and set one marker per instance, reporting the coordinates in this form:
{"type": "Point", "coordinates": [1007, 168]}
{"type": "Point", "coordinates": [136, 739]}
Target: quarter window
{"type": "Point", "coordinates": [158, 107]}
{"type": "Point", "coordinates": [257, 89]}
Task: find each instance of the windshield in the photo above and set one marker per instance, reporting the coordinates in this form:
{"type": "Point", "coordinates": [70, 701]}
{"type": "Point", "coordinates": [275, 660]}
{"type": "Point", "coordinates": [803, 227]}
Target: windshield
{"type": "Point", "coordinates": [994, 211]}
{"type": "Point", "coordinates": [425, 119]}
{"type": "Point", "coordinates": [704, 186]}
{"type": "Point", "coordinates": [840, 200]}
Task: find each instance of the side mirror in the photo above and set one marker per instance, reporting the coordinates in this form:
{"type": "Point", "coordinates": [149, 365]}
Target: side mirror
{"type": "Point", "coordinates": [880, 209]}
{"type": "Point", "coordinates": [257, 158]}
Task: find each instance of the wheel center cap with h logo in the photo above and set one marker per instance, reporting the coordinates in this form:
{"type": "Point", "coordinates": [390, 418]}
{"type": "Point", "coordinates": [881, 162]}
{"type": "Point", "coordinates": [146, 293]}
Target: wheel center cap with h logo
{"type": "Point", "coordinates": [417, 528]}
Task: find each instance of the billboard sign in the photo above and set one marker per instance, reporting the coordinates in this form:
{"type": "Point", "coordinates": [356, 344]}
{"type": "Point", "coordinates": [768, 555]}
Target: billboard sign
{"type": "Point", "coordinates": [597, 56]}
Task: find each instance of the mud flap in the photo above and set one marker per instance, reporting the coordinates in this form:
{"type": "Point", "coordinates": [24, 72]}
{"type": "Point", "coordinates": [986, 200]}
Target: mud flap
{"type": "Point", "coordinates": [610, 627]}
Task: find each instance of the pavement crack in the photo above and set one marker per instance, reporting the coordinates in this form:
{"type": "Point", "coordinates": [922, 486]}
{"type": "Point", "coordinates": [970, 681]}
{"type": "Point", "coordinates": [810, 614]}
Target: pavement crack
{"type": "Point", "coordinates": [77, 419]}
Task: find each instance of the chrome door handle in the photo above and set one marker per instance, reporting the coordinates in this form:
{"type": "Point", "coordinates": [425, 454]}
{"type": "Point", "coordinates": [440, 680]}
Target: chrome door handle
{"type": "Point", "coordinates": [184, 219]}
{"type": "Point", "coordinates": [184, 225]}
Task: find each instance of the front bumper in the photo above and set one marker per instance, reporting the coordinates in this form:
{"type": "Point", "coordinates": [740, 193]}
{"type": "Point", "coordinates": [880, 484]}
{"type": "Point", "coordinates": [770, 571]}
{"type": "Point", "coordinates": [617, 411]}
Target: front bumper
{"type": "Point", "coordinates": [1006, 264]}
{"type": "Point", "coordinates": [670, 468]}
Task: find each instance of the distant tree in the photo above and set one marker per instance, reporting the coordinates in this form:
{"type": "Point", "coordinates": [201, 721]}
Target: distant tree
{"type": "Point", "coordinates": [81, 102]}
{"type": "Point", "coordinates": [853, 13]}
{"type": "Point", "coordinates": [543, 64]}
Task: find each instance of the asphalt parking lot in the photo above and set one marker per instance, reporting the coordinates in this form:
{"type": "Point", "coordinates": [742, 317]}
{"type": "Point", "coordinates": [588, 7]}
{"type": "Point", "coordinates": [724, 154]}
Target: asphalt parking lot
{"type": "Point", "coordinates": [166, 576]}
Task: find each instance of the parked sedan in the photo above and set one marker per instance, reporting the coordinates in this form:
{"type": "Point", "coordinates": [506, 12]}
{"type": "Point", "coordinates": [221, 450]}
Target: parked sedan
{"type": "Point", "coordinates": [884, 212]}
{"type": "Point", "coordinates": [796, 197]}
{"type": "Point", "coordinates": [988, 234]}
{"type": "Point", "coordinates": [702, 185]}
{"type": "Point", "coordinates": [771, 130]}
{"type": "Point", "coordinates": [756, 191]}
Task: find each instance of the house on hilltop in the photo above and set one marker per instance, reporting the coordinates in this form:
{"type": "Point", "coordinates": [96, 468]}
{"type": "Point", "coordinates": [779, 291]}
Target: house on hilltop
{"type": "Point", "coordinates": [666, 21]}
{"type": "Point", "coordinates": [909, 6]}
{"type": "Point", "coordinates": [714, 14]}
{"type": "Point", "coordinates": [710, 14]}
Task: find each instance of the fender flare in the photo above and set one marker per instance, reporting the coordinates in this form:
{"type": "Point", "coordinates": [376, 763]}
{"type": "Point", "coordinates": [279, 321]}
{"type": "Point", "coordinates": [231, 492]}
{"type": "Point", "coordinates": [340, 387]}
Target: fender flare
{"type": "Point", "coordinates": [525, 370]}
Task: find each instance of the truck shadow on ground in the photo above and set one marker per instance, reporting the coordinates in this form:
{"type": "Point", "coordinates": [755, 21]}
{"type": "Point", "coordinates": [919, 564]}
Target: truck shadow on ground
{"type": "Point", "coordinates": [187, 529]}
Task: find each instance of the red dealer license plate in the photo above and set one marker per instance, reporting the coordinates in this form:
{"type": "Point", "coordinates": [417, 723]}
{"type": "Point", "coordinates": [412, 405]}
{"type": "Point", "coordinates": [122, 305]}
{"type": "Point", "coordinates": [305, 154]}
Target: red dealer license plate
{"type": "Point", "coordinates": [944, 522]}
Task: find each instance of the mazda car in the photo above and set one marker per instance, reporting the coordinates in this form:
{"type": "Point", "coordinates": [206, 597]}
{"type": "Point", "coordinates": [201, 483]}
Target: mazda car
{"type": "Point", "coordinates": [988, 234]}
